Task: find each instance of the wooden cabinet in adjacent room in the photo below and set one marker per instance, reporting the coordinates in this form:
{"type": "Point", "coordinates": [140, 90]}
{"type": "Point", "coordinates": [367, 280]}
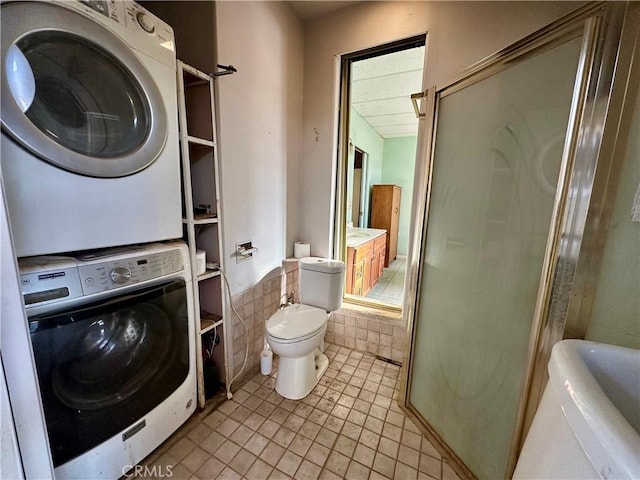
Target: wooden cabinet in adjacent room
{"type": "Point", "coordinates": [385, 214]}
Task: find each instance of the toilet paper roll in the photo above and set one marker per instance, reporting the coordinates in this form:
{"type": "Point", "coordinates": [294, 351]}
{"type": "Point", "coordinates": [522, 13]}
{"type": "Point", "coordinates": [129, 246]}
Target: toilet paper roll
{"type": "Point", "coordinates": [201, 261]}
{"type": "Point", "coordinates": [301, 249]}
{"type": "Point", "coordinates": [266, 362]}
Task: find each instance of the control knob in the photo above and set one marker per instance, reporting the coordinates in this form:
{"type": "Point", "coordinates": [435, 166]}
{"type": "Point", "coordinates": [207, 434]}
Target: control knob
{"type": "Point", "coordinates": [120, 275]}
{"type": "Point", "coordinates": [145, 22]}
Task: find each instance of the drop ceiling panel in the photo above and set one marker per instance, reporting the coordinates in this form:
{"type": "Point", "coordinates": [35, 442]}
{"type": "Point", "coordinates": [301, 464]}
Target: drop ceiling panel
{"type": "Point", "coordinates": [388, 86]}
{"type": "Point", "coordinates": [381, 89]}
{"type": "Point", "coordinates": [392, 131]}
{"type": "Point", "coordinates": [408, 118]}
{"type": "Point", "coordinates": [403, 61]}
{"type": "Point", "coordinates": [383, 107]}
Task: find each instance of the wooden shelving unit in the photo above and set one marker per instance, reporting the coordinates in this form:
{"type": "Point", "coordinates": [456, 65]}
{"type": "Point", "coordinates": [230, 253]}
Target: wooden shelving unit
{"type": "Point", "coordinates": [202, 231]}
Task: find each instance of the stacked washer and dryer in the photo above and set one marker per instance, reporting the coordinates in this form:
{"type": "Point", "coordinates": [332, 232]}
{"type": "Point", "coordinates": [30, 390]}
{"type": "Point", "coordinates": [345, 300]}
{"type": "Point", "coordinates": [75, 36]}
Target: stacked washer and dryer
{"type": "Point", "coordinates": [91, 174]}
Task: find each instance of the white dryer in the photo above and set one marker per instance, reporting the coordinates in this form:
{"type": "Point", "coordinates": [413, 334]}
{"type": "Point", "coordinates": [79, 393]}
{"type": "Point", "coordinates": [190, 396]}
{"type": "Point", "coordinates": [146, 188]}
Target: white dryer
{"type": "Point", "coordinates": [89, 125]}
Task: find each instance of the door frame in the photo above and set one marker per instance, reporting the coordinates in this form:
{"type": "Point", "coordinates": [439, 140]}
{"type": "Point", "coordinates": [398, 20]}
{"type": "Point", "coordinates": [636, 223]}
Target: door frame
{"type": "Point", "coordinates": [589, 165]}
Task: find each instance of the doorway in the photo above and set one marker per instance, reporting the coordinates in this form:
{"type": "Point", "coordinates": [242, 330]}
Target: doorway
{"type": "Point", "coordinates": [378, 131]}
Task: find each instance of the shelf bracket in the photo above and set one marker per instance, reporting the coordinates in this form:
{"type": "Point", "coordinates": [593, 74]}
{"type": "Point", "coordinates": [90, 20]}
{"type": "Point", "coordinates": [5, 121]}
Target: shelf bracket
{"type": "Point", "coordinates": [226, 70]}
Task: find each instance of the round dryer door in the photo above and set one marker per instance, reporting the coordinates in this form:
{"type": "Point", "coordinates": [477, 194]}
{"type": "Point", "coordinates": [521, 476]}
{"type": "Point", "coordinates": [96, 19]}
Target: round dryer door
{"type": "Point", "coordinates": [76, 95]}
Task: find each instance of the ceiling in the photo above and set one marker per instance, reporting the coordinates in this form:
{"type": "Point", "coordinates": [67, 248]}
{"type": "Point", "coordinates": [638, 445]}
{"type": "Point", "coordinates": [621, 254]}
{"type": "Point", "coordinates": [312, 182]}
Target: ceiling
{"type": "Point", "coordinates": [311, 9]}
{"type": "Point", "coordinates": [381, 89]}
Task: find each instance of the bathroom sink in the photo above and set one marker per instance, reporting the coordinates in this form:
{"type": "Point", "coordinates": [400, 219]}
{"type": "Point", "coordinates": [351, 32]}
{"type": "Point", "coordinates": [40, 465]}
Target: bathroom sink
{"type": "Point", "coordinates": [357, 235]}
{"type": "Point", "coordinates": [588, 422]}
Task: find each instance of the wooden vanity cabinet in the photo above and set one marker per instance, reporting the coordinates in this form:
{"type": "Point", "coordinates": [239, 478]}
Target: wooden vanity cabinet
{"type": "Point", "coordinates": [365, 264]}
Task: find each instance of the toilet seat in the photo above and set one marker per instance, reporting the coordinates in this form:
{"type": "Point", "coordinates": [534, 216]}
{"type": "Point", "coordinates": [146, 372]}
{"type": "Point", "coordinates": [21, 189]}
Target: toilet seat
{"type": "Point", "coordinates": [296, 323]}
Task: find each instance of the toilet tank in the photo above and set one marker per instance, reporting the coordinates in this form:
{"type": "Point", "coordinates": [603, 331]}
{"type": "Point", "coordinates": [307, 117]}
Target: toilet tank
{"type": "Point", "coordinates": [321, 283]}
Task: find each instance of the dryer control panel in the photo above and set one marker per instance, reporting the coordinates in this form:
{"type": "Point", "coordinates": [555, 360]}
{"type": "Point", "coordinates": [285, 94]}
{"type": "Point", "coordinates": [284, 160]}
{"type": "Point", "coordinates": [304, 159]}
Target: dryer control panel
{"type": "Point", "coordinates": [107, 275]}
{"type": "Point", "coordinates": [52, 279]}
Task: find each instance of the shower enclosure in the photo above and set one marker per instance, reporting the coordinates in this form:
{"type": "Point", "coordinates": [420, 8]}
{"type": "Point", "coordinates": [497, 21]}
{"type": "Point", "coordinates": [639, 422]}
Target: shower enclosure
{"type": "Point", "coordinates": [517, 146]}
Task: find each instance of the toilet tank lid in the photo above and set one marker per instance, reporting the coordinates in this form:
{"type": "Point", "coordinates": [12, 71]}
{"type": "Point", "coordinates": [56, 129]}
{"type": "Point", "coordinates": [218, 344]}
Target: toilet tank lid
{"type": "Point", "coordinates": [319, 264]}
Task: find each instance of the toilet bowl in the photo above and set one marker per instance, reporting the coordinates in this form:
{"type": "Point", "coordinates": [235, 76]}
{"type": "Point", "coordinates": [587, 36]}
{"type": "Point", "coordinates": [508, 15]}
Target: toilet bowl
{"type": "Point", "coordinates": [296, 335]}
{"type": "Point", "coordinates": [296, 332]}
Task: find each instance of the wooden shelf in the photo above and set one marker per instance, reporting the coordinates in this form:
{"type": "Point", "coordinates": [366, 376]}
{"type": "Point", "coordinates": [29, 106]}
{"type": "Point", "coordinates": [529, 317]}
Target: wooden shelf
{"type": "Point", "coordinates": [200, 142]}
{"type": "Point", "coordinates": [209, 321]}
{"type": "Point", "coordinates": [202, 219]}
{"type": "Point", "coordinates": [208, 274]}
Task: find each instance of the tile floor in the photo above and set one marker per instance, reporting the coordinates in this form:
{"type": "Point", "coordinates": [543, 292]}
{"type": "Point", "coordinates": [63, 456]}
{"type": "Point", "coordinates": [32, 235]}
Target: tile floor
{"type": "Point", "coordinates": [390, 286]}
{"type": "Point", "coordinates": [350, 427]}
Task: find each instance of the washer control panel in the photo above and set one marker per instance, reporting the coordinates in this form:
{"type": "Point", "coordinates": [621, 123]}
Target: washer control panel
{"type": "Point", "coordinates": [100, 276]}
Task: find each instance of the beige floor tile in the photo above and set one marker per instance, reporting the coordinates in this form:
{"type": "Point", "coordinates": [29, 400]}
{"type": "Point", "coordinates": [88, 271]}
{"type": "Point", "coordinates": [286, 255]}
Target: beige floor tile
{"type": "Point", "coordinates": [448, 473]}
{"type": "Point", "coordinates": [329, 475]}
{"type": "Point", "coordinates": [278, 475]}
{"type": "Point", "coordinates": [307, 471]}
{"type": "Point", "coordinates": [211, 468]}
{"type": "Point", "coordinates": [373, 424]}
{"type": "Point", "coordinates": [326, 437]}
{"type": "Point", "coordinates": [391, 431]}
{"type": "Point", "coordinates": [227, 427]}
{"type": "Point", "coordinates": [179, 472]}
{"type": "Point", "coordinates": [229, 474]}
{"type": "Point", "coordinates": [318, 454]}
{"type": "Point", "coordinates": [215, 418]}
{"type": "Point", "coordinates": [405, 472]}
{"type": "Point", "coordinates": [259, 470]}
{"type": "Point", "coordinates": [334, 424]}
{"type": "Point", "coordinates": [357, 471]}
{"type": "Point", "coordinates": [265, 408]}
{"type": "Point", "coordinates": [241, 435]}
{"type": "Point", "coordinates": [300, 445]}
{"type": "Point", "coordinates": [289, 463]}
{"type": "Point", "coordinates": [212, 442]}
{"type": "Point", "coordinates": [345, 445]}
{"type": "Point", "coordinates": [364, 455]}
{"type": "Point", "coordinates": [199, 433]}
{"type": "Point", "coordinates": [430, 466]}
{"type": "Point", "coordinates": [240, 414]}
{"type": "Point", "coordinates": [337, 463]}
{"type": "Point", "coordinates": [242, 461]}
{"type": "Point", "coordinates": [377, 476]}
{"type": "Point", "coordinates": [409, 456]}
{"type": "Point", "coordinates": [284, 437]}
{"type": "Point", "coordinates": [309, 429]}
{"type": "Point", "coordinates": [293, 422]}
{"type": "Point", "coordinates": [228, 407]}
{"type": "Point", "coordinates": [195, 459]}
{"type": "Point", "coordinates": [269, 428]}
{"type": "Point", "coordinates": [411, 439]}
{"type": "Point", "coordinates": [351, 430]}
{"type": "Point", "coordinates": [384, 465]}
{"type": "Point", "coordinates": [256, 443]}
{"type": "Point", "coordinates": [254, 421]}
{"type": "Point", "coordinates": [318, 416]}
{"type": "Point", "coordinates": [279, 415]}
{"type": "Point", "coordinates": [272, 453]}
{"type": "Point", "coordinates": [388, 447]}
{"type": "Point", "coordinates": [227, 451]}
{"type": "Point", "coordinates": [182, 448]}
{"type": "Point", "coordinates": [395, 418]}
{"type": "Point", "coordinates": [428, 448]}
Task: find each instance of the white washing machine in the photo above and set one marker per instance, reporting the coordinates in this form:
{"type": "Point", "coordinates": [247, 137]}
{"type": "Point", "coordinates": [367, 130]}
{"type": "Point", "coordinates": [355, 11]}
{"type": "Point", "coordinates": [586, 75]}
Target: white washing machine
{"type": "Point", "coordinates": [113, 335]}
{"type": "Point", "coordinates": [89, 125]}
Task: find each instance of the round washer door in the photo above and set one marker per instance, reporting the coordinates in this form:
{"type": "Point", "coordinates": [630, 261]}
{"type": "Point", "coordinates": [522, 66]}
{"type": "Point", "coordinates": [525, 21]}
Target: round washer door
{"type": "Point", "coordinates": [76, 95]}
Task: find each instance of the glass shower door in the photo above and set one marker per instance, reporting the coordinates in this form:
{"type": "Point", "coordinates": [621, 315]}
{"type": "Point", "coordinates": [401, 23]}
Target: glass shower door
{"type": "Point", "coordinates": [497, 156]}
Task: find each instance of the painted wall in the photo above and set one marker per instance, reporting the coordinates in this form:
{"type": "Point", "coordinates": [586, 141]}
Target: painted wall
{"type": "Point", "coordinates": [364, 137]}
{"type": "Point", "coordinates": [615, 317]}
{"type": "Point", "coordinates": [459, 34]}
{"type": "Point", "coordinates": [398, 165]}
{"type": "Point", "coordinates": [259, 128]}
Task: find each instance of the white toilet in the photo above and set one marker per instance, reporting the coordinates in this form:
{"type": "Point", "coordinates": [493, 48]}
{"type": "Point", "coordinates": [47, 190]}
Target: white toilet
{"type": "Point", "coordinates": [296, 333]}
